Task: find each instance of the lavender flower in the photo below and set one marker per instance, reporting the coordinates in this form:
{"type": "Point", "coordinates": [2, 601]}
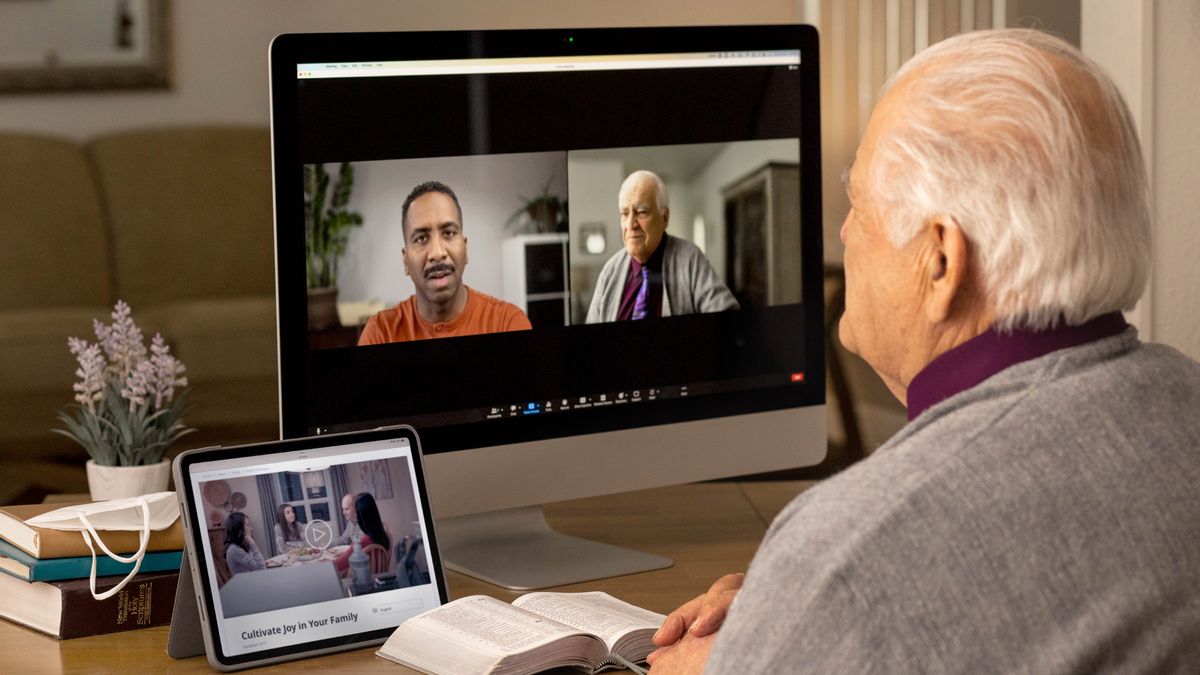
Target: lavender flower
{"type": "Point", "coordinates": [128, 413]}
{"type": "Point", "coordinates": [90, 387]}
{"type": "Point", "coordinates": [156, 377]}
{"type": "Point", "coordinates": [139, 385]}
{"type": "Point", "coordinates": [122, 341]}
{"type": "Point", "coordinates": [168, 371]}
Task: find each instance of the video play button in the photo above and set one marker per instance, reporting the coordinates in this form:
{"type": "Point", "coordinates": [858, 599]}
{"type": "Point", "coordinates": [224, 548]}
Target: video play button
{"type": "Point", "coordinates": [319, 534]}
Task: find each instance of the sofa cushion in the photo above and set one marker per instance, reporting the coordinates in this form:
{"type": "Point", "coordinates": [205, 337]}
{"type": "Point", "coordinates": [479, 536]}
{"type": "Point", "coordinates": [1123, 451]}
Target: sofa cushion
{"type": "Point", "coordinates": [33, 347]}
{"type": "Point", "coordinates": [226, 339]}
{"type": "Point", "coordinates": [190, 210]}
{"type": "Point", "coordinates": [56, 250]}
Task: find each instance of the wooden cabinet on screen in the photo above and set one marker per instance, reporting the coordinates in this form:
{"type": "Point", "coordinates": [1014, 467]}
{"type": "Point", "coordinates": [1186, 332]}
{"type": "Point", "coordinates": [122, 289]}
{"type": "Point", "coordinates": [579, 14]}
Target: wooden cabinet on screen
{"type": "Point", "coordinates": [762, 235]}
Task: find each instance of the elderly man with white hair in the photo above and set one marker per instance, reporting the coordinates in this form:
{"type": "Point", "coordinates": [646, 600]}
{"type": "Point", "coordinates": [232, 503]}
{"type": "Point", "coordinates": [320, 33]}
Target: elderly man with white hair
{"type": "Point", "coordinates": [1040, 512]}
{"type": "Point", "coordinates": [655, 274]}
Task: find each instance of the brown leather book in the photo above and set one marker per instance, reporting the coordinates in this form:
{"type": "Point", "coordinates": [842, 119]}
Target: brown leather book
{"type": "Point", "coordinates": [66, 609]}
{"type": "Point", "coordinates": [40, 542]}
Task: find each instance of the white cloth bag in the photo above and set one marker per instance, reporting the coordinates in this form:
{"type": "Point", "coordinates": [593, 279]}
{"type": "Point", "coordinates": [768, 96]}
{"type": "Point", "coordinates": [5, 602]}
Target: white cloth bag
{"type": "Point", "coordinates": [155, 512]}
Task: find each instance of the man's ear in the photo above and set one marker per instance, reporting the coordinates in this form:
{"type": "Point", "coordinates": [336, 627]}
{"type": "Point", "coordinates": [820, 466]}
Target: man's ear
{"type": "Point", "coordinates": [404, 256]}
{"type": "Point", "coordinates": [947, 266]}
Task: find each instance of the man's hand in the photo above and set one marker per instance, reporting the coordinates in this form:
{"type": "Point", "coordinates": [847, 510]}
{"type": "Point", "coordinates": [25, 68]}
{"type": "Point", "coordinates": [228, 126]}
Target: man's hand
{"type": "Point", "coordinates": [688, 655]}
{"type": "Point", "coordinates": [699, 617]}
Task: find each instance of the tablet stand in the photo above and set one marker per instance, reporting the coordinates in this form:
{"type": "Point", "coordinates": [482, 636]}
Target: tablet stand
{"type": "Point", "coordinates": [186, 638]}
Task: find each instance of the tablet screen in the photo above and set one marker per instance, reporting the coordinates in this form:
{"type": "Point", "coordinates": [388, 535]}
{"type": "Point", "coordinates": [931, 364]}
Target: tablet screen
{"type": "Point", "coordinates": [311, 545]}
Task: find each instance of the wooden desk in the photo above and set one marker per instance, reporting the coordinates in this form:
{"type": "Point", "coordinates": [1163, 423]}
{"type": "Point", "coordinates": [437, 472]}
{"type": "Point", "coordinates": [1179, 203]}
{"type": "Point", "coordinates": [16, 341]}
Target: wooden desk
{"type": "Point", "coordinates": [709, 529]}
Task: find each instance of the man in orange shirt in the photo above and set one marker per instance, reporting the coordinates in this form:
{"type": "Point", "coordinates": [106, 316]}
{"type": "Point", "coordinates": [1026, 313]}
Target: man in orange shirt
{"type": "Point", "coordinates": [435, 254]}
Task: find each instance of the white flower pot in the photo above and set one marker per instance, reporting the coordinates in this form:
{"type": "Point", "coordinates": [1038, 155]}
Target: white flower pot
{"type": "Point", "coordinates": [119, 482]}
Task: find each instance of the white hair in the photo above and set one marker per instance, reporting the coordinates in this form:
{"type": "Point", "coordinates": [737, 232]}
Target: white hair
{"type": "Point", "coordinates": [660, 188]}
{"type": "Point", "coordinates": [1029, 146]}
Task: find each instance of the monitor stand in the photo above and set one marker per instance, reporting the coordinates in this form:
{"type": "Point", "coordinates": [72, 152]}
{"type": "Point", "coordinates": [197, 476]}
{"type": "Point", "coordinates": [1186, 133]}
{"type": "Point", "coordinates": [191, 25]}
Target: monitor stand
{"type": "Point", "coordinates": [515, 548]}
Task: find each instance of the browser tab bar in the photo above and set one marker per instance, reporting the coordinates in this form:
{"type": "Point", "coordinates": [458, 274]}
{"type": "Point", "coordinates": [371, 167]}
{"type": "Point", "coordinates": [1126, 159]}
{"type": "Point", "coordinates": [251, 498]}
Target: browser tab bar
{"type": "Point", "coordinates": [775, 57]}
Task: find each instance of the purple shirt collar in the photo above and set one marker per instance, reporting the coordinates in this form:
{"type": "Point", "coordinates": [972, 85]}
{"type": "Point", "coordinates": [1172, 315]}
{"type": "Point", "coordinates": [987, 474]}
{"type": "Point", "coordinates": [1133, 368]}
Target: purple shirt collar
{"type": "Point", "coordinates": [990, 352]}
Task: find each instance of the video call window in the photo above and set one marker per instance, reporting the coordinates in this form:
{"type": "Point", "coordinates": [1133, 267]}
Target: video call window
{"type": "Point", "coordinates": [546, 240]}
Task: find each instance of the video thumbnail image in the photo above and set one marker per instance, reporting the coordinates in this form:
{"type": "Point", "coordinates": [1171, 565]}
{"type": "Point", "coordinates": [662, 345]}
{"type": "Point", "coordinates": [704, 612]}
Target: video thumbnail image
{"type": "Point", "coordinates": [288, 539]}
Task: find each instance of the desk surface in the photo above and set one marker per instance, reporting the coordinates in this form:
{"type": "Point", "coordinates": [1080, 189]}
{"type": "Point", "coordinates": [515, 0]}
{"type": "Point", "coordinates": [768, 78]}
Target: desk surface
{"type": "Point", "coordinates": [709, 529]}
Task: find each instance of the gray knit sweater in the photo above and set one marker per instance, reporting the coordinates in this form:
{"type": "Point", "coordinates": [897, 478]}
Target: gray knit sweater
{"type": "Point", "coordinates": [690, 285]}
{"type": "Point", "coordinates": [1046, 520]}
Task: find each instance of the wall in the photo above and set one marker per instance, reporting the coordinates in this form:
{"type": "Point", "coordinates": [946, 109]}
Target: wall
{"type": "Point", "coordinates": [220, 51]}
{"type": "Point", "coordinates": [589, 207]}
{"type": "Point", "coordinates": [1175, 166]}
{"type": "Point", "coordinates": [1152, 52]}
{"type": "Point", "coordinates": [399, 512]}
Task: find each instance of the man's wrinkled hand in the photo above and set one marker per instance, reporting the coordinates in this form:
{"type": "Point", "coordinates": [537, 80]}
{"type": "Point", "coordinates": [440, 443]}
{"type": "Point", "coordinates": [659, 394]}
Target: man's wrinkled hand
{"type": "Point", "coordinates": [701, 616]}
{"type": "Point", "coordinates": [688, 655]}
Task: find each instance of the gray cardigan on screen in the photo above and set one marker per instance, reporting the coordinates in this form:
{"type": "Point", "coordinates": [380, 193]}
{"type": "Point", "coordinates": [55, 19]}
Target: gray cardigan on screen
{"type": "Point", "coordinates": [1046, 520]}
{"type": "Point", "coordinates": [690, 285]}
{"type": "Point", "coordinates": [240, 560]}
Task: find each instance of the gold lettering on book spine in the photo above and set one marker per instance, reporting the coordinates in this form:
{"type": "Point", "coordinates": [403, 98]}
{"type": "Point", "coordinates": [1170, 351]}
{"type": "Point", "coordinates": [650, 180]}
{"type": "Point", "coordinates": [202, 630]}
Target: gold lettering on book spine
{"type": "Point", "coordinates": [138, 606]}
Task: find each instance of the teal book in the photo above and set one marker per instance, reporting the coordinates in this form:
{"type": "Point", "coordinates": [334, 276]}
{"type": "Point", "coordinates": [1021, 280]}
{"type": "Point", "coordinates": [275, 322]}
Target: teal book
{"type": "Point", "coordinates": [20, 564]}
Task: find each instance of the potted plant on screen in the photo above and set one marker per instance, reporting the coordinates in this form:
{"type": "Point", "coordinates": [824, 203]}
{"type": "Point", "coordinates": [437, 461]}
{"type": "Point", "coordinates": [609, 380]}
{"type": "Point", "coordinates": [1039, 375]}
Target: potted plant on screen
{"type": "Point", "coordinates": [128, 410]}
{"type": "Point", "coordinates": [542, 213]}
{"type": "Point", "coordinates": [327, 227]}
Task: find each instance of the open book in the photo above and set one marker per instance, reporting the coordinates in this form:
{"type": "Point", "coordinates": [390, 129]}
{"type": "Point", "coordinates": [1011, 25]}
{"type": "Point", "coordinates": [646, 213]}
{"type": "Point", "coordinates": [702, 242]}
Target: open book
{"type": "Point", "coordinates": [538, 631]}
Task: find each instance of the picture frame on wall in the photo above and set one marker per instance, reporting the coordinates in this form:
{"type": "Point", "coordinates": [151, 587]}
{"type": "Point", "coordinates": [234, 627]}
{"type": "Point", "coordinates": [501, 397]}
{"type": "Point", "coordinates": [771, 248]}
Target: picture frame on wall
{"type": "Point", "coordinates": [375, 479]}
{"type": "Point", "coordinates": [69, 45]}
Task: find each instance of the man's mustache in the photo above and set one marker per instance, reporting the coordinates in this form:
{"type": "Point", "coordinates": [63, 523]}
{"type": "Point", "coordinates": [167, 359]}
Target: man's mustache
{"type": "Point", "coordinates": [438, 268]}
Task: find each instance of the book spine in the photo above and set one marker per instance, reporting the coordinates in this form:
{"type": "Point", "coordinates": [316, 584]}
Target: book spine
{"type": "Point", "coordinates": [69, 544]}
{"type": "Point", "coordinates": [144, 602]}
{"type": "Point", "coordinates": [57, 569]}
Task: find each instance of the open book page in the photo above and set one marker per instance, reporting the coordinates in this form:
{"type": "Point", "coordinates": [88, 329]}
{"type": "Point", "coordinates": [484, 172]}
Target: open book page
{"type": "Point", "coordinates": [626, 629]}
{"type": "Point", "coordinates": [472, 635]}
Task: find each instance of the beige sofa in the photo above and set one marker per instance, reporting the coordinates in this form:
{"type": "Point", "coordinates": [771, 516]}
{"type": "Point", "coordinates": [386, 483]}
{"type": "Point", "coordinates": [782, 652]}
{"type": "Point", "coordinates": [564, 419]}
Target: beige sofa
{"type": "Point", "coordinates": [176, 222]}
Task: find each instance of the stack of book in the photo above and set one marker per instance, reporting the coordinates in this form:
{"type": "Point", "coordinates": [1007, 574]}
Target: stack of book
{"type": "Point", "coordinates": [44, 577]}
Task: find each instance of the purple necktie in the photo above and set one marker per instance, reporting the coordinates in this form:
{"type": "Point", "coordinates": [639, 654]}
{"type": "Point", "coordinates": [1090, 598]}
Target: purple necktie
{"type": "Point", "coordinates": [639, 303]}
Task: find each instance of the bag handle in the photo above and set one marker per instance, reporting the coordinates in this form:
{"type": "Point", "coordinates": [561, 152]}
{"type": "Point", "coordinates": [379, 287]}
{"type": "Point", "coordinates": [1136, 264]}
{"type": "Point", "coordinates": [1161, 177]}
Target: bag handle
{"type": "Point", "coordinates": [136, 558]}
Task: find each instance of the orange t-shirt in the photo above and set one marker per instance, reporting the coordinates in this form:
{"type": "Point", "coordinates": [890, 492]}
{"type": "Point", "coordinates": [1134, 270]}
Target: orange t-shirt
{"type": "Point", "coordinates": [483, 314]}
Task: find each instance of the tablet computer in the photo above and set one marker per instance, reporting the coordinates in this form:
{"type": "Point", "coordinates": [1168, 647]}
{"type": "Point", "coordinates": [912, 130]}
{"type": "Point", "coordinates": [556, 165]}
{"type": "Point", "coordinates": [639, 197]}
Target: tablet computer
{"type": "Point", "coordinates": [307, 546]}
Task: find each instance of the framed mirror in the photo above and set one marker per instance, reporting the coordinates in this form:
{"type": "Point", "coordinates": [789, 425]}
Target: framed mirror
{"type": "Point", "coordinates": [62, 45]}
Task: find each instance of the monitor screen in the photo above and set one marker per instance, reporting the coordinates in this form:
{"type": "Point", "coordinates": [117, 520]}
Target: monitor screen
{"type": "Point", "coordinates": [543, 236]}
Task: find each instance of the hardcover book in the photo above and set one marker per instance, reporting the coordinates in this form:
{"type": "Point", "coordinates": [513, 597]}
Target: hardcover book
{"type": "Point", "coordinates": [66, 609]}
{"type": "Point", "coordinates": [44, 543]}
{"type": "Point", "coordinates": [538, 631]}
{"type": "Point", "coordinates": [20, 564]}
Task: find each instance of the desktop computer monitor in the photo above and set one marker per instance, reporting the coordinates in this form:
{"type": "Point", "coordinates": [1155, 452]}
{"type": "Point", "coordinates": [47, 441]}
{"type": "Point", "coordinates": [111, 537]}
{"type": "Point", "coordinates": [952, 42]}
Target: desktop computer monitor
{"type": "Point", "coordinates": [564, 372]}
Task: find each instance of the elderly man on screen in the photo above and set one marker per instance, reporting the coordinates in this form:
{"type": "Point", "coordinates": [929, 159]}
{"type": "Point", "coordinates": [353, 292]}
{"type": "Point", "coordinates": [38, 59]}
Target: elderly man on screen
{"type": "Point", "coordinates": [655, 274]}
{"type": "Point", "coordinates": [1039, 511]}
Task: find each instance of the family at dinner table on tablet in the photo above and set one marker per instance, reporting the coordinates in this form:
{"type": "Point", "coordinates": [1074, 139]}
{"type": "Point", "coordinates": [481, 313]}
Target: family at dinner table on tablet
{"type": "Point", "coordinates": [363, 524]}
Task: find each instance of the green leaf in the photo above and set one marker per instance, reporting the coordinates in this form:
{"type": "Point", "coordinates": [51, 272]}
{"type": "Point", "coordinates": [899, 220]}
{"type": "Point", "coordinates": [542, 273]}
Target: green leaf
{"type": "Point", "coordinates": [327, 222]}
